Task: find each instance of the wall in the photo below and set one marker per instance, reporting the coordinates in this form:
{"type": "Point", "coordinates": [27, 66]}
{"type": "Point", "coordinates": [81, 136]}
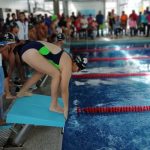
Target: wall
{"type": "Point", "coordinates": [14, 4]}
{"type": "Point", "coordinates": [84, 6]}
{"type": "Point", "coordinates": [110, 4]}
{"type": "Point", "coordinates": [21, 5]}
{"type": "Point", "coordinates": [128, 5]}
{"type": "Point", "coordinates": [93, 5]}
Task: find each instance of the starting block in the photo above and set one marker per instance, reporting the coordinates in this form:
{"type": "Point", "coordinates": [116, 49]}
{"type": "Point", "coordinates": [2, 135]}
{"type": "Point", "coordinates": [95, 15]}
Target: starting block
{"type": "Point", "coordinates": [34, 110]}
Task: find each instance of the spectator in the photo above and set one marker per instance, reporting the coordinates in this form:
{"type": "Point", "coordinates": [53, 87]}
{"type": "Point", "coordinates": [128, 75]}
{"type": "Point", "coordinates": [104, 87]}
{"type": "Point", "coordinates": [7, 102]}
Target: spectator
{"type": "Point", "coordinates": [111, 22]}
{"type": "Point", "coordinates": [134, 16]}
{"type": "Point", "coordinates": [144, 22]}
{"type": "Point", "coordinates": [32, 19]}
{"type": "Point", "coordinates": [77, 25]}
{"type": "Point", "coordinates": [133, 26]}
{"type": "Point", "coordinates": [148, 24]}
{"type": "Point", "coordinates": [14, 20]}
{"type": "Point", "coordinates": [23, 27]}
{"type": "Point", "coordinates": [100, 22]}
{"type": "Point", "coordinates": [124, 19]}
{"type": "Point", "coordinates": [47, 21]}
{"type": "Point", "coordinates": [8, 19]}
{"type": "Point", "coordinates": [117, 26]}
{"type": "Point", "coordinates": [84, 25]}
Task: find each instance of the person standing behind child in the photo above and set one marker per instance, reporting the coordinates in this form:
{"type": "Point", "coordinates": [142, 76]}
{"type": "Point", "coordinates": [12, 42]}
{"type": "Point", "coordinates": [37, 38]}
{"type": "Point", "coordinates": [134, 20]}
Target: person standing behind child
{"type": "Point", "coordinates": [117, 26]}
{"type": "Point", "coordinates": [133, 26]}
{"type": "Point", "coordinates": [124, 19]}
{"type": "Point", "coordinates": [23, 27]}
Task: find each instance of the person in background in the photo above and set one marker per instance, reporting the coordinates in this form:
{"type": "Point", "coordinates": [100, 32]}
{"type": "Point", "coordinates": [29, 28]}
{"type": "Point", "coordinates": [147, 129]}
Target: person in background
{"type": "Point", "coordinates": [117, 26]}
{"type": "Point", "coordinates": [1, 25]}
{"type": "Point", "coordinates": [8, 19]}
{"type": "Point", "coordinates": [23, 27]}
{"type": "Point", "coordinates": [144, 22]}
{"type": "Point", "coordinates": [5, 50]}
{"type": "Point", "coordinates": [32, 19]}
{"type": "Point", "coordinates": [13, 20]}
{"type": "Point", "coordinates": [100, 22]}
{"type": "Point", "coordinates": [124, 19]}
{"type": "Point", "coordinates": [84, 26]}
{"type": "Point", "coordinates": [41, 30]}
{"type": "Point", "coordinates": [133, 26]}
{"type": "Point", "coordinates": [73, 18]}
{"type": "Point", "coordinates": [111, 21]}
{"type": "Point", "coordinates": [140, 24]}
{"type": "Point", "coordinates": [77, 25]}
{"type": "Point", "coordinates": [32, 32]}
{"type": "Point", "coordinates": [47, 21]}
{"type": "Point", "coordinates": [148, 24]}
{"type": "Point", "coordinates": [53, 27]}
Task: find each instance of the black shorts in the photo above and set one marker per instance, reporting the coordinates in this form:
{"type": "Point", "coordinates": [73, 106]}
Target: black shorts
{"type": "Point", "coordinates": [30, 45]}
{"type": "Point", "coordinates": [19, 47]}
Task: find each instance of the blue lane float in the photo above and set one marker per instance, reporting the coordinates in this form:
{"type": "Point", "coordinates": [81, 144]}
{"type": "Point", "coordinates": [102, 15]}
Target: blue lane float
{"type": "Point", "coordinates": [34, 110]}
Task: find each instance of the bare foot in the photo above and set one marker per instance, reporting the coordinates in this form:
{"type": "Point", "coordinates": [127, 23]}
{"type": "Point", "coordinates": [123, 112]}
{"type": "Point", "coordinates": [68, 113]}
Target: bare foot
{"type": "Point", "coordinates": [9, 96]}
{"type": "Point", "coordinates": [22, 94]}
{"type": "Point", "coordinates": [66, 114]}
{"type": "Point", "coordinates": [57, 108]}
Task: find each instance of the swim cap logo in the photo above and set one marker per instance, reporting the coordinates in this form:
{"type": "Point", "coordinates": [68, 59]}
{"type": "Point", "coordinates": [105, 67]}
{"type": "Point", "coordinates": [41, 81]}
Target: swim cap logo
{"type": "Point", "coordinates": [6, 36]}
{"type": "Point", "coordinates": [85, 60]}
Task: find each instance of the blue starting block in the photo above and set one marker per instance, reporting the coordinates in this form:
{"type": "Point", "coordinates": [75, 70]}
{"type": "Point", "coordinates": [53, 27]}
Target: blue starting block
{"type": "Point", "coordinates": [34, 110]}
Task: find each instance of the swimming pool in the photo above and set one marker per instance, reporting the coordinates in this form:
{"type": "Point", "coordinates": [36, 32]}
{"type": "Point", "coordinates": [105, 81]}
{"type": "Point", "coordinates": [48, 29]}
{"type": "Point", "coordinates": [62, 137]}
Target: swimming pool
{"type": "Point", "coordinates": [111, 131]}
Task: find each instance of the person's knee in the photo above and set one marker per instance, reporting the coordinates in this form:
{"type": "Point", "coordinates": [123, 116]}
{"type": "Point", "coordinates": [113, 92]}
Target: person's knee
{"type": "Point", "coordinates": [56, 74]}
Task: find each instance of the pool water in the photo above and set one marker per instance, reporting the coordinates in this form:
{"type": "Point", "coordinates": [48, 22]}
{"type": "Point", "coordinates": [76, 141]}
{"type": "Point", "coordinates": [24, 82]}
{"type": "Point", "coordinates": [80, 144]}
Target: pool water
{"type": "Point", "coordinates": [111, 131]}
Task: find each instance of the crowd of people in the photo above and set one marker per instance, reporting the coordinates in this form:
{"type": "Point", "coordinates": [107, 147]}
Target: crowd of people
{"type": "Point", "coordinates": [132, 25]}
{"type": "Point", "coordinates": [77, 26]}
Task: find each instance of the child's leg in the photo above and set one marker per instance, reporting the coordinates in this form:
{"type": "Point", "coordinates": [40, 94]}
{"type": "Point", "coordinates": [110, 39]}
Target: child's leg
{"type": "Point", "coordinates": [8, 94]}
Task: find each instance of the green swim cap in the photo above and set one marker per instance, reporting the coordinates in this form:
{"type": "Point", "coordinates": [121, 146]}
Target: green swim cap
{"type": "Point", "coordinates": [54, 17]}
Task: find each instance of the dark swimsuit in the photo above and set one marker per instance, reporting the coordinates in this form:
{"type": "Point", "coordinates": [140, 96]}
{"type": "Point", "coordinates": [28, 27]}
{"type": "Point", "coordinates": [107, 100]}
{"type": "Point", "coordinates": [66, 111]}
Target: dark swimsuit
{"type": "Point", "coordinates": [44, 51]}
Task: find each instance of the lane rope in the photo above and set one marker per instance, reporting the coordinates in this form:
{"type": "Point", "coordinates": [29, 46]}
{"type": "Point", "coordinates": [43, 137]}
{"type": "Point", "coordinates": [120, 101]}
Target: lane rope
{"type": "Point", "coordinates": [108, 49]}
{"type": "Point", "coordinates": [106, 75]}
{"type": "Point", "coordinates": [115, 109]}
{"type": "Point", "coordinates": [117, 58]}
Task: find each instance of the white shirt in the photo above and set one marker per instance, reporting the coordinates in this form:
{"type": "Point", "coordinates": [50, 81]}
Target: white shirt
{"type": "Point", "coordinates": [84, 23]}
{"type": "Point", "coordinates": [0, 60]}
{"type": "Point", "coordinates": [23, 30]}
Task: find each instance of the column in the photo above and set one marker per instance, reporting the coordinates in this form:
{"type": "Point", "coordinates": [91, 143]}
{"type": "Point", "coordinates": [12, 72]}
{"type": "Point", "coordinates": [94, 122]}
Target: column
{"type": "Point", "coordinates": [1, 13]}
{"type": "Point", "coordinates": [65, 7]}
{"type": "Point", "coordinates": [29, 8]}
{"type": "Point", "coordinates": [104, 8]}
{"type": "Point", "coordinates": [56, 6]}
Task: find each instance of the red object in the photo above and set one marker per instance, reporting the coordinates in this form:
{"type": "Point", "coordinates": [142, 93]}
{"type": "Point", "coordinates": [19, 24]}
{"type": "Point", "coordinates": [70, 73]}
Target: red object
{"type": "Point", "coordinates": [105, 75]}
{"type": "Point", "coordinates": [115, 109]}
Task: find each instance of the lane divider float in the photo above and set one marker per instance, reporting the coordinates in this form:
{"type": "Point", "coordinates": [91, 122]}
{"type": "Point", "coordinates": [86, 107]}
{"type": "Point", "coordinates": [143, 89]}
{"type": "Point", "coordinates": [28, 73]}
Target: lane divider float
{"type": "Point", "coordinates": [117, 58]}
{"type": "Point", "coordinates": [108, 49]}
{"type": "Point", "coordinates": [115, 109]}
{"type": "Point", "coordinates": [106, 75]}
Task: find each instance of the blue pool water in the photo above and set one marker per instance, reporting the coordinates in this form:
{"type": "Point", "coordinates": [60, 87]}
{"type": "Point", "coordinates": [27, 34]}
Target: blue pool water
{"type": "Point", "coordinates": [116, 131]}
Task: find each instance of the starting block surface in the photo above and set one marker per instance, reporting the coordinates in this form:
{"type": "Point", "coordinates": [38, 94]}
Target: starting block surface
{"type": "Point", "coordinates": [35, 110]}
